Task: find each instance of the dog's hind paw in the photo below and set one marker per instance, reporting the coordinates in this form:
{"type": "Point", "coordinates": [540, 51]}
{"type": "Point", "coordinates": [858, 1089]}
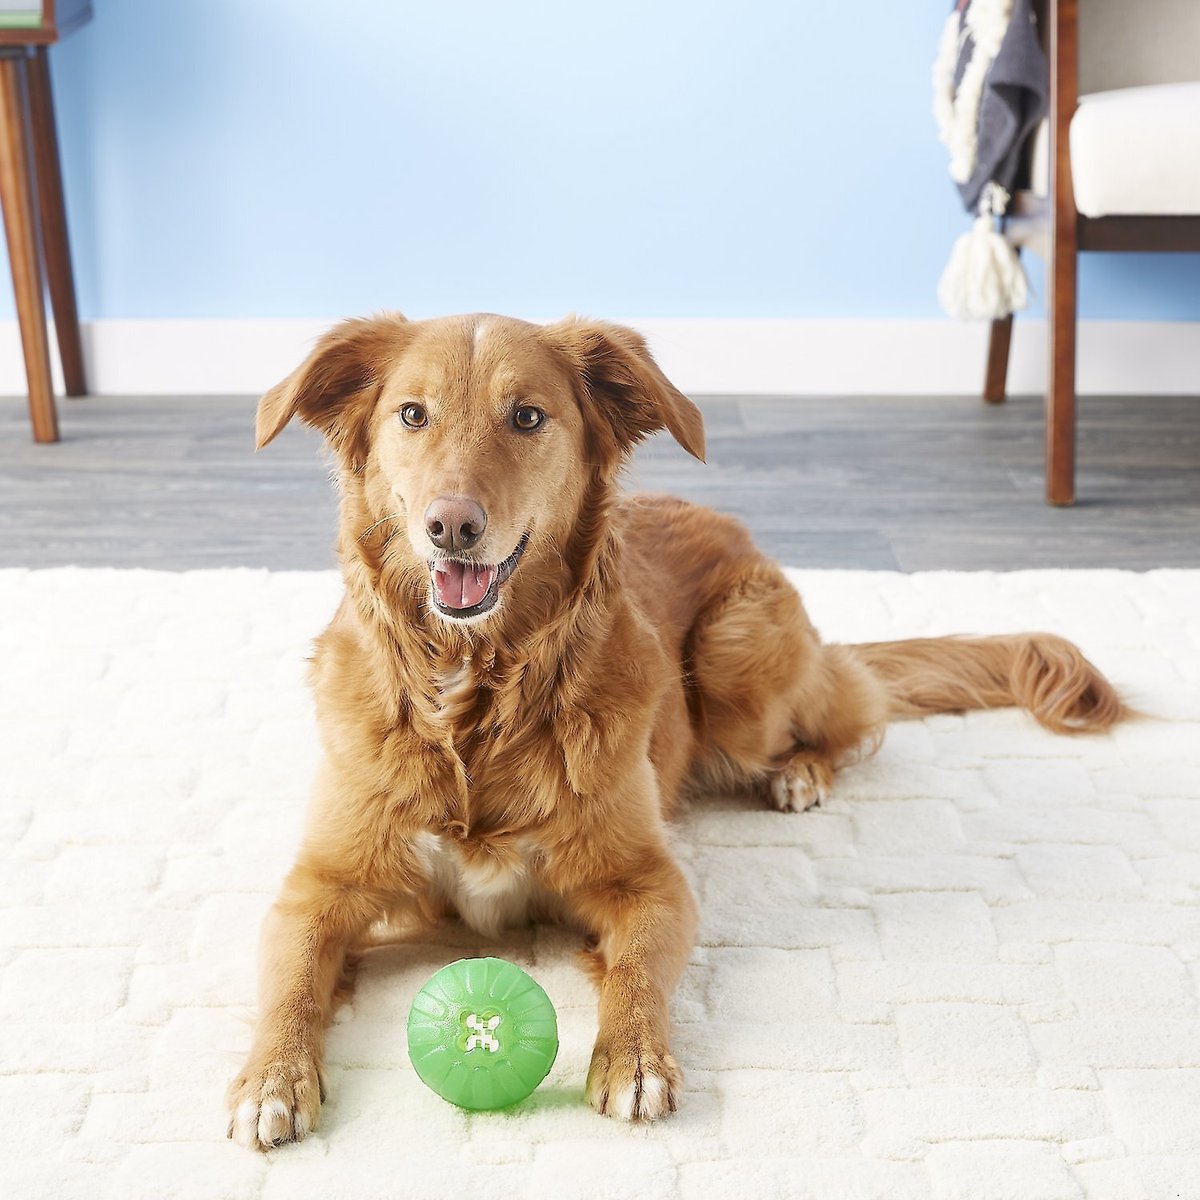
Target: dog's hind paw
{"type": "Point", "coordinates": [800, 785]}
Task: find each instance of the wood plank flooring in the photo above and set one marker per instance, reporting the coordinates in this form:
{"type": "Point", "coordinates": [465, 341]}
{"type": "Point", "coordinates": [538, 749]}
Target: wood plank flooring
{"type": "Point", "coordinates": [891, 483]}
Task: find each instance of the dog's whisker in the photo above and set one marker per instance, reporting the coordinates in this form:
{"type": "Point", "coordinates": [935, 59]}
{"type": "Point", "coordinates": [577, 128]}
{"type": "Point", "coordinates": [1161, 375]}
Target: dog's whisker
{"type": "Point", "coordinates": [371, 528]}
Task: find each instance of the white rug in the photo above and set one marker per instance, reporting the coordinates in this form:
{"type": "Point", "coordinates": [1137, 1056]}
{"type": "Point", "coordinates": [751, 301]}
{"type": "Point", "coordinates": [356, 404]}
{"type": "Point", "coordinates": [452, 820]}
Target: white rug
{"type": "Point", "coordinates": [973, 974]}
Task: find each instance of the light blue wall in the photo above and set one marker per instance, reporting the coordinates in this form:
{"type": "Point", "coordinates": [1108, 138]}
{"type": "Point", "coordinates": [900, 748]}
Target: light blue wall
{"type": "Point", "coordinates": [301, 158]}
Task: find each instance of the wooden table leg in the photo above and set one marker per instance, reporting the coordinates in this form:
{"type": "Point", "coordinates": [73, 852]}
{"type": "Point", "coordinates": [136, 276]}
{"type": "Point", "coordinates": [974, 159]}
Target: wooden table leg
{"type": "Point", "coordinates": [16, 195]}
{"type": "Point", "coordinates": [56, 246]}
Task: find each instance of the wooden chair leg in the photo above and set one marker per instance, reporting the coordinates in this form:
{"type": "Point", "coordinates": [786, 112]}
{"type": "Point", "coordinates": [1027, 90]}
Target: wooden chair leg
{"type": "Point", "coordinates": [1060, 390]}
{"type": "Point", "coordinates": [16, 195]}
{"type": "Point", "coordinates": [995, 384]}
{"type": "Point", "coordinates": [56, 247]}
{"type": "Point", "coordinates": [1063, 256]}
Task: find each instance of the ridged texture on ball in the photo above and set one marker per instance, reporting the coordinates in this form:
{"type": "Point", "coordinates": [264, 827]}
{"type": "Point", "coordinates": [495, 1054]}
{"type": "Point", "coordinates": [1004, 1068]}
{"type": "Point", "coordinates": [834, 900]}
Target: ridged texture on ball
{"type": "Point", "coordinates": [467, 1056]}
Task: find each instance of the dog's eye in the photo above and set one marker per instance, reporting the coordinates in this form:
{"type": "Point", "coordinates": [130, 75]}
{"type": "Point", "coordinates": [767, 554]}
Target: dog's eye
{"type": "Point", "coordinates": [414, 416]}
{"type": "Point", "coordinates": [527, 418]}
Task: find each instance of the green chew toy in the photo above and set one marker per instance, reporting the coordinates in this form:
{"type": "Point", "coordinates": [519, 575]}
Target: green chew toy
{"type": "Point", "coordinates": [482, 1033]}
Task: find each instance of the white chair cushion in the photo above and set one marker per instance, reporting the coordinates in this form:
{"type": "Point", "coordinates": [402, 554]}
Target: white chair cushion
{"type": "Point", "coordinates": [1133, 151]}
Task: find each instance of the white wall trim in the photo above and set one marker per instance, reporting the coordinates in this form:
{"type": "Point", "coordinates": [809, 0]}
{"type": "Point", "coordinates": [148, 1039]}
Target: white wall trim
{"type": "Point", "coordinates": [790, 356]}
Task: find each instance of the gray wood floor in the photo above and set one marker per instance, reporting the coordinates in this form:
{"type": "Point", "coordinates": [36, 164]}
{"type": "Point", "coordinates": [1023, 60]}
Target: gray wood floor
{"type": "Point", "coordinates": [891, 483]}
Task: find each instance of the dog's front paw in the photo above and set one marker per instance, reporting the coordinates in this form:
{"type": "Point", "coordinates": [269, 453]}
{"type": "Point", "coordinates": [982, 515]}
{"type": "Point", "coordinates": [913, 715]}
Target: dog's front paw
{"type": "Point", "coordinates": [634, 1085]}
{"type": "Point", "coordinates": [272, 1102]}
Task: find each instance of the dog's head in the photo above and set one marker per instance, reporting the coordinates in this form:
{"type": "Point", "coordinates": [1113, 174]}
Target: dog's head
{"type": "Point", "coordinates": [475, 441]}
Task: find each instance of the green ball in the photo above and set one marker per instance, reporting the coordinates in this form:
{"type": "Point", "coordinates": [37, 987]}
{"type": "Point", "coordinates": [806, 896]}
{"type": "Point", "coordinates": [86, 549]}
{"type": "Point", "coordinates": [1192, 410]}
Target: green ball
{"type": "Point", "coordinates": [482, 1033]}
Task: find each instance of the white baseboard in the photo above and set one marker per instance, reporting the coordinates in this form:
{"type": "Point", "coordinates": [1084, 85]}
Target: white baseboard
{"type": "Point", "coordinates": [757, 357]}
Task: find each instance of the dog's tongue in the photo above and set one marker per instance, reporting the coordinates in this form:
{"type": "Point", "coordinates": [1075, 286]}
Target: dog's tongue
{"type": "Point", "coordinates": [461, 585]}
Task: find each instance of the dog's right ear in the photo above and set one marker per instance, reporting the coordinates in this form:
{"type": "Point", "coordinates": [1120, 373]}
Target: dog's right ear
{"type": "Point", "coordinates": [626, 385]}
{"type": "Point", "coordinates": [333, 389]}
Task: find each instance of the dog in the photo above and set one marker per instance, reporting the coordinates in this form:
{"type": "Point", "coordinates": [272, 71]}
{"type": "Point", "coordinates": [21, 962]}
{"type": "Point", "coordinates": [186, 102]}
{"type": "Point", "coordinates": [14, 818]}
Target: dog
{"type": "Point", "coordinates": [527, 669]}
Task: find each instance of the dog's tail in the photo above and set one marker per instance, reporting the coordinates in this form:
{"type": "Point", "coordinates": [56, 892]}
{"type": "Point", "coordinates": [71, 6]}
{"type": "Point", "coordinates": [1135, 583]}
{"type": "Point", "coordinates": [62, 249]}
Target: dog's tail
{"type": "Point", "coordinates": [1045, 674]}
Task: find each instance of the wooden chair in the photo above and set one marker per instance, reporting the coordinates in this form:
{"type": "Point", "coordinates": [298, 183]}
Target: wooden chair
{"type": "Point", "coordinates": [1153, 44]}
{"type": "Point", "coordinates": [32, 197]}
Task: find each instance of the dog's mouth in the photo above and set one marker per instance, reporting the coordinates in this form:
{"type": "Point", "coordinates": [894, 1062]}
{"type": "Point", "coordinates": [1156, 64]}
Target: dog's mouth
{"type": "Point", "coordinates": [469, 589]}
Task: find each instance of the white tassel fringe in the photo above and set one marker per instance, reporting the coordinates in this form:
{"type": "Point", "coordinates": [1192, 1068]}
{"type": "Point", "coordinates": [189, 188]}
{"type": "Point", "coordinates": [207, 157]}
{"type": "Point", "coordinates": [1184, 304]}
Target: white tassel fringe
{"type": "Point", "coordinates": [943, 76]}
{"type": "Point", "coordinates": [984, 279]}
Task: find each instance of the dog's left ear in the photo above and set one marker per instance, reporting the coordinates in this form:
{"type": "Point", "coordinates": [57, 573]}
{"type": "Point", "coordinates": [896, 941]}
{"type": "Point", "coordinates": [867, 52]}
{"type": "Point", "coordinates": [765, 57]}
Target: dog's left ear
{"type": "Point", "coordinates": [334, 387]}
{"type": "Point", "coordinates": [622, 378]}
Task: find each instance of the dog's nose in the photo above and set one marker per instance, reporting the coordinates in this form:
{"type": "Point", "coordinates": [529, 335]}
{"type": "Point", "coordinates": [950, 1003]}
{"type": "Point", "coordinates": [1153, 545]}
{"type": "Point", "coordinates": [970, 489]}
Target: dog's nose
{"type": "Point", "coordinates": [455, 522]}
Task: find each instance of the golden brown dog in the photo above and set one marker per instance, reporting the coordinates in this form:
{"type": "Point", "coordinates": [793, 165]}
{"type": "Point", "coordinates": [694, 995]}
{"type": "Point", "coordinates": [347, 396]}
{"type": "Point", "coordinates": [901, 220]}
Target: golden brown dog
{"type": "Point", "coordinates": [526, 669]}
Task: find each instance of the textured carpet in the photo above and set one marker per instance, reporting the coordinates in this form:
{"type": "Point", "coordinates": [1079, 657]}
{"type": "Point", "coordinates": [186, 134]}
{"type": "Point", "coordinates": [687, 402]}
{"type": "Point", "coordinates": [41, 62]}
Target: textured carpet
{"type": "Point", "coordinates": [971, 974]}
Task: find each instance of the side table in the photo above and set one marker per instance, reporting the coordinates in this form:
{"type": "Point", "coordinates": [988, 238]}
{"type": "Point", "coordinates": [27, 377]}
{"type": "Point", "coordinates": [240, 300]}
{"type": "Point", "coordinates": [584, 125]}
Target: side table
{"type": "Point", "coordinates": [32, 197]}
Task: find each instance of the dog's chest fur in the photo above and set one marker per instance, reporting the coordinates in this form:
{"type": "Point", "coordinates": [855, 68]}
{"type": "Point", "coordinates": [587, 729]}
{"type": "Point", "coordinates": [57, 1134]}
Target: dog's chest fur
{"type": "Point", "coordinates": [489, 890]}
{"type": "Point", "coordinates": [489, 878]}
{"type": "Point", "coordinates": [510, 751]}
